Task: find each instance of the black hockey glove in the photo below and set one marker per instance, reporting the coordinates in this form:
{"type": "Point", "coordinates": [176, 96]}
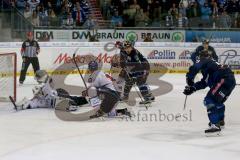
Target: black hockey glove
{"type": "Point", "coordinates": [189, 81]}
{"type": "Point", "coordinates": [189, 90]}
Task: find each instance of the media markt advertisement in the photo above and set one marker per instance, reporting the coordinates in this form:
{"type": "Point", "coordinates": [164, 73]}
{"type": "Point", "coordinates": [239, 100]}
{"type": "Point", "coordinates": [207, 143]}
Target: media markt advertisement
{"type": "Point", "coordinates": [106, 35]}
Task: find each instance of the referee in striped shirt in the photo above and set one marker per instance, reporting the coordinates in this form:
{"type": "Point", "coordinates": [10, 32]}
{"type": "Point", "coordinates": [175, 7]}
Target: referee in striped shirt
{"type": "Point", "coordinates": [29, 51]}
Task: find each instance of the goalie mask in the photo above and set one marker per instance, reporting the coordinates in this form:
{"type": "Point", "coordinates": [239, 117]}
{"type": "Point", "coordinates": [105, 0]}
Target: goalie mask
{"type": "Point", "coordinates": [41, 76]}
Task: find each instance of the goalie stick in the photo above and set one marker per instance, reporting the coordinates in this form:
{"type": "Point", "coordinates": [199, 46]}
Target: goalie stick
{"type": "Point", "coordinates": [13, 102]}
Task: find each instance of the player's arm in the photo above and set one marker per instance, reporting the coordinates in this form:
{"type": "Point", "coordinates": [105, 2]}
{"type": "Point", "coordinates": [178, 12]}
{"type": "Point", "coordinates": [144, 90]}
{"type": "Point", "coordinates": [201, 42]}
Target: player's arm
{"type": "Point", "coordinates": [144, 61]}
{"type": "Point", "coordinates": [190, 76]}
{"type": "Point", "coordinates": [123, 60]}
{"type": "Point", "coordinates": [214, 54]}
{"type": "Point", "coordinates": [23, 48]}
{"type": "Point", "coordinates": [193, 71]}
{"type": "Point", "coordinates": [38, 48]}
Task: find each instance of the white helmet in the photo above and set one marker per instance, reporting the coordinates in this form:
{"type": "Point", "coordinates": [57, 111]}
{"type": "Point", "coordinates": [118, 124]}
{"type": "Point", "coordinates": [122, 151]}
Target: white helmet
{"type": "Point", "coordinates": [41, 76]}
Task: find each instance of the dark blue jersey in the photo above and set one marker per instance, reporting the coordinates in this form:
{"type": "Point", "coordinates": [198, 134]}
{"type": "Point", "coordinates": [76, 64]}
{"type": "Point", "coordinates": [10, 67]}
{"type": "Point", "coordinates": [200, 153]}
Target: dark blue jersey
{"type": "Point", "coordinates": [211, 70]}
{"type": "Point", "coordinates": [134, 62]}
{"type": "Point", "coordinates": [195, 55]}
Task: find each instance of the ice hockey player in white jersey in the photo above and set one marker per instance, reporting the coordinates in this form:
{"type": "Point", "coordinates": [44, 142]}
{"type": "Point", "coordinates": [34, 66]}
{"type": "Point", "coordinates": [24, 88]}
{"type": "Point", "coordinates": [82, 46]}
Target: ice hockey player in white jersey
{"type": "Point", "coordinates": [102, 92]}
{"type": "Point", "coordinates": [44, 94]}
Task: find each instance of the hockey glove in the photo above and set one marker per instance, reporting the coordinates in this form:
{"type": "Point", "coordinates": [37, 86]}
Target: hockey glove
{"type": "Point", "coordinates": [189, 81]}
{"type": "Point", "coordinates": [85, 93]}
{"type": "Point", "coordinates": [189, 90]}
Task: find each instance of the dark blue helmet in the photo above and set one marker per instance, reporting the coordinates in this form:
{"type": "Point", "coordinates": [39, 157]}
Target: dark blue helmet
{"type": "Point", "coordinates": [93, 66]}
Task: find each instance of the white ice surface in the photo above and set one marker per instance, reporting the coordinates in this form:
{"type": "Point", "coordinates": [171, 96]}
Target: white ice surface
{"type": "Point", "coordinates": [39, 135]}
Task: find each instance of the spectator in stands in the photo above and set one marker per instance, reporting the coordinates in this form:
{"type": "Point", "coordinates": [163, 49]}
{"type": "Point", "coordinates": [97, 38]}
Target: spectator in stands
{"type": "Point", "coordinates": [90, 23]}
{"type": "Point", "coordinates": [238, 22]}
{"type": "Point", "coordinates": [221, 2]}
{"type": "Point", "coordinates": [27, 12]}
{"type": "Point", "coordinates": [193, 10]}
{"type": "Point", "coordinates": [48, 8]}
{"type": "Point", "coordinates": [78, 15]}
{"type": "Point", "coordinates": [150, 9]}
{"type": "Point", "coordinates": [185, 3]}
{"type": "Point", "coordinates": [35, 19]}
{"type": "Point", "coordinates": [105, 9]}
{"type": "Point", "coordinates": [85, 6]}
{"type": "Point", "coordinates": [201, 2]}
{"type": "Point", "coordinates": [173, 11]}
{"type": "Point", "coordinates": [69, 21]}
{"type": "Point", "coordinates": [157, 9]}
{"type": "Point", "coordinates": [182, 21]}
{"type": "Point", "coordinates": [182, 9]}
{"type": "Point", "coordinates": [116, 4]}
{"type": "Point", "coordinates": [233, 9]}
{"type": "Point", "coordinates": [205, 14]}
{"type": "Point", "coordinates": [142, 3]}
{"type": "Point", "coordinates": [116, 20]}
{"type": "Point", "coordinates": [215, 14]}
{"type": "Point", "coordinates": [129, 17]}
{"type": "Point", "coordinates": [135, 5]}
{"type": "Point", "coordinates": [58, 6]}
{"type": "Point", "coordinates": [140, 18]}
{"type": "Point", "coordinates": [43, 16]}
{"type": "Point", "coordinates": [52, 18]}
{"type": "Point", "coordinates": [224, 20]}
{"type": "Point", "coordinates": [21, 3]}
{"type": "Point", "coordinates": [33, 4]}
{"type": "Point", "coordinates": [164, 6]}
{"type": "Point", "coordinates": [169, 21]}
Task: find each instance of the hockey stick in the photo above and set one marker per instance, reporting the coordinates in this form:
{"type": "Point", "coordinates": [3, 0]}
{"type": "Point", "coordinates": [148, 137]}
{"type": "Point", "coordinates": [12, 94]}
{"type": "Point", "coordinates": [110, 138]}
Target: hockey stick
{"type": "Point", "coordinates": [13, 102]}
{"type": "Point", "coordinates": [139, 95]}
{"type": "Point", "coordinates": [74, 60]}
{"type": "Point", "coordinates": [185, 103]}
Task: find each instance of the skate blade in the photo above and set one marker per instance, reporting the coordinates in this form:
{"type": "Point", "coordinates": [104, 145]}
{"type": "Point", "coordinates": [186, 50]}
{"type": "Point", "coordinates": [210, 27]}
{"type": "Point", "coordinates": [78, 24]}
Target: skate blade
{"type": "Point", "coordinates": [214, 134]}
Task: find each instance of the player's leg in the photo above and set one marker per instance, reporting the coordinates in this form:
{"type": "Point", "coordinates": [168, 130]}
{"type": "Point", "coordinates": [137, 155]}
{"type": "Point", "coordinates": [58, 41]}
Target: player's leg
{"type": "Point", "coordinates": [129, 82]}
{"type": "Point", "coordinates": [145, 89]}
{"type": "Point", "coordinates": [214, 116]}
{"type": "Point", "coordinates": [35, 64]}
{"type": "Point", "coordinates": [220, 93]}
{"type": "Point", "coordinates": [25, 65]}
{"type": "Point", "coordinates": [109, 99]}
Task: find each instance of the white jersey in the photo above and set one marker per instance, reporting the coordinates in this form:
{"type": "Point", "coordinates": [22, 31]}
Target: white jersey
{"type": "Point", "coordinates": [44, 96]}
{"type": "Point", "coordinates": [99, 79]}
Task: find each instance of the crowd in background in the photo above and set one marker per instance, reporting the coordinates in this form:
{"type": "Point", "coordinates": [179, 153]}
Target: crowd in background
{"type": "Point", "coordinates": [172, 13]}
{"type": "Point", "coordinates": [64, 13]}
{"type": "Point", "coordinates": [133, 13]}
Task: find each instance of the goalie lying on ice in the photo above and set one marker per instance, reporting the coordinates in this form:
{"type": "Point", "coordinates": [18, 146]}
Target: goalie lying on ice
{"type": "Point", "coordinates": [46, 97]}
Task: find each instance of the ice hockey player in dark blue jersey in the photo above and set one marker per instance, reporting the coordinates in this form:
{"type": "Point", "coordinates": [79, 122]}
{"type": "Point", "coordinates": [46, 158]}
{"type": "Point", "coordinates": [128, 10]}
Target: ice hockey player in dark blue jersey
{"type": "Point", "coordinates": [221, 81]}
{"type": "Point", "coordinates": [135, 70]}
{"type": "Point", "coordinates": [205, 46]}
